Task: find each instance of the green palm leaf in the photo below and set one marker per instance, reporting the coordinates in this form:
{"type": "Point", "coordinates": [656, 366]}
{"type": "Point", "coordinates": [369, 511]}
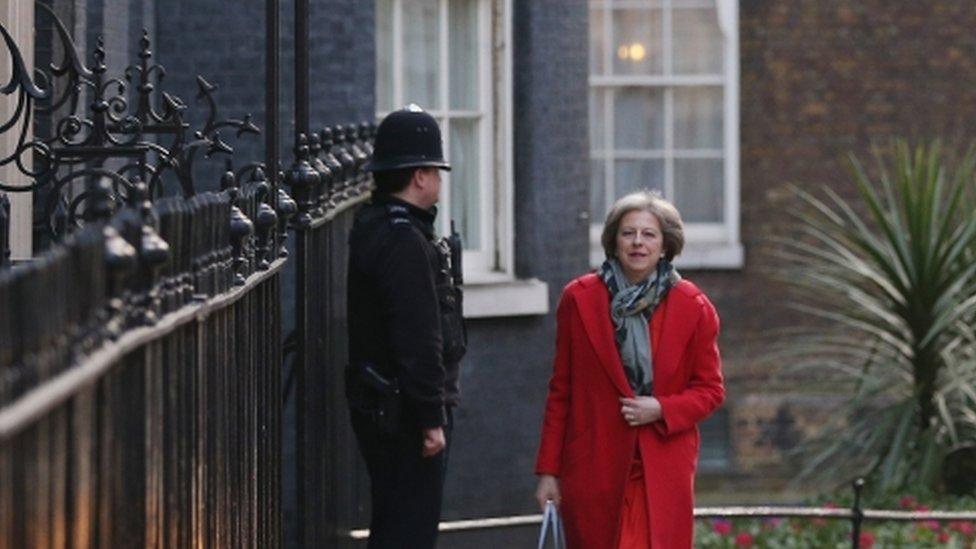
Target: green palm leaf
{"type": "Point", "coordinates": [889, 282]}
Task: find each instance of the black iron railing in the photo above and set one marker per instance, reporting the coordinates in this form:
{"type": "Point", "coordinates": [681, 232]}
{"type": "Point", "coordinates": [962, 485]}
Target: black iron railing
{"type": "Point", "coordinates": [139, 387]}
{"type": "Point", "coordinates": [140, 379]}
{"type": "Point", "coordinates": [328, 182]}
{"type": "Point", "coordinates": [104, 127]}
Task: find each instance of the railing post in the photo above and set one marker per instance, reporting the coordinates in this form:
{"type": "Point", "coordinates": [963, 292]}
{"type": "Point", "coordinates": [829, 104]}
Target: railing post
{"type": "Point", "coordinates": [302, 179]}
{"type": "Point", "coordinates": [271, 94]}
{"type": "Point", "coordinates": [301, 66]}
{"type": "Point", "coordinates": [857, 514]}
{"type": "Point", "coordinates": [334, 174]}
{"type": "Point", "coordinates": [4, 229]}
{"type": "Point", "coordinates": [241, 227]}
{"type": "Point", "coordinates": [286, 209]}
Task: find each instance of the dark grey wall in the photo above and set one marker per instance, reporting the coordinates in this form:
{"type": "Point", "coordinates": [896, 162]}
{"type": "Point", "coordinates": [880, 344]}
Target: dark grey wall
{"type": "Point", "coordinates": [343, 61]}
{"type": "Point", "coordinates": [505, 373]}
{"type": "Point", "coordinates": [225, 43]}
{"type": "Point", "coordinates": [119, 23]}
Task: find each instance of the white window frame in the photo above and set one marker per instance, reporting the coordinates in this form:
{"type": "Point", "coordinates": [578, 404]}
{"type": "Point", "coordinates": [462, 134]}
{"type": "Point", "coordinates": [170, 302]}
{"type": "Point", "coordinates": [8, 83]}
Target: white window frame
{"type": "Point", "coordinates": [491, 288]}
{"type": "Point", "coordinates": [493, 261]}
{"type": "Point", "coordinates": [708, 245]}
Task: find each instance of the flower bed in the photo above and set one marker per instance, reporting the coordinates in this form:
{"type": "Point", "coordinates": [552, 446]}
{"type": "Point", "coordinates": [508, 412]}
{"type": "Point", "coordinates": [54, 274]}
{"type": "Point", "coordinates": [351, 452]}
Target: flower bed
{"type": "Point", "coordinates": [819, 533]}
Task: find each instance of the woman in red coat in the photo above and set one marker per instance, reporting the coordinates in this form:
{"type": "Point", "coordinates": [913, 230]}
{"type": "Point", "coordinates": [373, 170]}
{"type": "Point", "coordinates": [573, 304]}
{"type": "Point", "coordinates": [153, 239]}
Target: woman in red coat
{"type": "Point", "coordinates": [636, 368]}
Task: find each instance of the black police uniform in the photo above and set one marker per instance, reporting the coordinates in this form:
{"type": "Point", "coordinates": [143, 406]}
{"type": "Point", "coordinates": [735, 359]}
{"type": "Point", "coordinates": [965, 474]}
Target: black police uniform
{"type": "Point", "coordinates": [406, 340]}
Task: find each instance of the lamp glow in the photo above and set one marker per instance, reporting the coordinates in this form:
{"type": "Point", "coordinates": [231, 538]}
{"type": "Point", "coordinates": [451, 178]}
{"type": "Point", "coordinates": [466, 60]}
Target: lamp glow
{"type": "Point", "coordinates": [632, 52]}
{"type": "Point", "coordinates": [637, 52]}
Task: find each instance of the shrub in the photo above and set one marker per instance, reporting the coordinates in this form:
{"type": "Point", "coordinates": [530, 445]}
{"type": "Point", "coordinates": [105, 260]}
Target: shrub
{"type": "Point", "coordinates": [890, 278]}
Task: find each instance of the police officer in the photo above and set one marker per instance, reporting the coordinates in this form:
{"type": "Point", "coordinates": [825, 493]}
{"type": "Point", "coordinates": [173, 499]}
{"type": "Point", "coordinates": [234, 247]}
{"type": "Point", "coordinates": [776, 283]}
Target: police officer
{"type": "Point", "coordinates": [406, 334]}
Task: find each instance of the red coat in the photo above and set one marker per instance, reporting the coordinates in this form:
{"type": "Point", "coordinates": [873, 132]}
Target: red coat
{"type": "Point", "coordinates": [585, 441]}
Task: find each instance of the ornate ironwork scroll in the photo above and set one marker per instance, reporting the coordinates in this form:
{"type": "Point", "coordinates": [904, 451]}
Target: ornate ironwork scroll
{"type": "Point", "coordinates": [114, 129]}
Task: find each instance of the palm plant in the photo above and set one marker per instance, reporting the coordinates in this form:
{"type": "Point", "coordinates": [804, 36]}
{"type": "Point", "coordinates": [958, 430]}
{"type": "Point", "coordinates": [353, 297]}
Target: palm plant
{"type": "Point", "coordinates": [890, 280]}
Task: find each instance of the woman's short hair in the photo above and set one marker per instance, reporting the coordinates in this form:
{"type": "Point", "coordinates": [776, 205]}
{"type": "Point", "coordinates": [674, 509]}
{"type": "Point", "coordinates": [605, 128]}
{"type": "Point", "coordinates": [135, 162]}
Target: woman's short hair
{"type": "Point", "coordinates": [672, 228]}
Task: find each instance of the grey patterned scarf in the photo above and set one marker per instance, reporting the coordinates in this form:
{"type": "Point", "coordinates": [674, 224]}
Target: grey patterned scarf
{"type": "Point", "coordinates": [631, 306]}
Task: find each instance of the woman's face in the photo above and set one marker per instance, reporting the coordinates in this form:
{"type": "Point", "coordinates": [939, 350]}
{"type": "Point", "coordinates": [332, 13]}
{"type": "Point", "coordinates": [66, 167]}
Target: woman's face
{"type": "Point", "coordinates": [640, 244]}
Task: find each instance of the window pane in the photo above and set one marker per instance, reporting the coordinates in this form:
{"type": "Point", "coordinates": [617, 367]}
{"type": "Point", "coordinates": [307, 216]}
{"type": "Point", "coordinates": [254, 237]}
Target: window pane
{"type": "Point", "coordinates": [421, 58]}
{"type": "Point", "coordinates": [637, 41]}
{"type": "Point", "coordinates": [638, 175]}
{"type": "Point", "coordinates": [716, 454]}
{"type": "Point", "coordinates": [698, 118]}
{"type": "Point", "coordinates": [463, 52]}
{"type": "Point", "coordinates": [698, 189]}
{"type": "Point", "coordinates": [384, 55]}
{"type": "Point", "coordinates": [465, 195]}
{"type": "Point", "coordinates": [597, 42]}
{"type": "Point", "coordinates": [598, 192]}
{"type": "Point", "coordinates": [597, 120]}
{"type": "Point", "coordinates": [638, 118]}
{"type": "Point", "coordinates": [697, 42]}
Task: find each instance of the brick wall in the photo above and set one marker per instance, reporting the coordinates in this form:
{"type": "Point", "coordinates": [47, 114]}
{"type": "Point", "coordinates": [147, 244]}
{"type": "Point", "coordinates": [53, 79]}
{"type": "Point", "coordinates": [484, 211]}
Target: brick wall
{"type": "Point", "coordinates": [820, 79]}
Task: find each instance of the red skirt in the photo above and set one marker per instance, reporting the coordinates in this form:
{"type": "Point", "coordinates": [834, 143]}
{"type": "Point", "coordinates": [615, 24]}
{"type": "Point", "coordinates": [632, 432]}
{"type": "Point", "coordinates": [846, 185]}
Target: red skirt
{"type": "Point", "coordinates": [635, 526]}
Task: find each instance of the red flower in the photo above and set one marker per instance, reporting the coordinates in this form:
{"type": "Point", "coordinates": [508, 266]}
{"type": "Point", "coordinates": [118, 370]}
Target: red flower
{"type": "Point", "coordinates": [831, 505]}
{"type": "Point", "coordinates": [722, 527]}
{"type": "Point", "coordinates": [963, 527]}
{"type": "Point", "coordinates": [923, 508]}
{"type": "Point", "coordinates": [943, 537]}
{"type": "Point", "coordinates": [932, 525]}
{"type": "Point", "coordinates": [908, 502]}
{"type": "Point", "coordinates": [744, 540]}
{"type": "Point", "coordinates": [867, 539]}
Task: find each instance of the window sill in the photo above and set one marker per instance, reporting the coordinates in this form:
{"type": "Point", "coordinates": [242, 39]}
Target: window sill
{"type": "Point", "coordinates": [716, 255]}
{"type": "Point", "coordinates": [695, 256]}
{"type": "Point", "coordinates": [487, 297]}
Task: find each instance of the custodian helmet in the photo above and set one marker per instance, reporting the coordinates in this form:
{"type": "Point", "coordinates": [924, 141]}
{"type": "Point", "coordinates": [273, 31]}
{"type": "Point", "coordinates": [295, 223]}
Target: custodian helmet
{"type": "Point", "coordinates": [407, 138]}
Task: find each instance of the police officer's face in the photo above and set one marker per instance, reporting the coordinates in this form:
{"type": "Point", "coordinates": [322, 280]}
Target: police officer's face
{"type": "Point", "coordinates": [430, 185]}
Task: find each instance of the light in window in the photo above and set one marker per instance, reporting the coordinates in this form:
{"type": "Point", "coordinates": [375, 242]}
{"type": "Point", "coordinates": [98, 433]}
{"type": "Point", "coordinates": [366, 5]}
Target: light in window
{"type": "Point", "coordinates": [639, 27]}
{"type": "Point", "coordinates": [634, 52]}
{"type": "Point", "coordinates": [663, 116]}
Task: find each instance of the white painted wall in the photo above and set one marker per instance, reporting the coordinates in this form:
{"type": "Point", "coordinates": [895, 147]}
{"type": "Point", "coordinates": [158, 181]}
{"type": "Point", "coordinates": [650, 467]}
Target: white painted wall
{"type": "Point", "coordinates": [18, 18]}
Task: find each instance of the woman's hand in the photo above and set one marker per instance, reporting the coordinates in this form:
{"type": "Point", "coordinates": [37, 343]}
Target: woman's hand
{"type": "Point", "coordinates": [640, 410]}
{"type": "Point", "coordinates": [547, 489]}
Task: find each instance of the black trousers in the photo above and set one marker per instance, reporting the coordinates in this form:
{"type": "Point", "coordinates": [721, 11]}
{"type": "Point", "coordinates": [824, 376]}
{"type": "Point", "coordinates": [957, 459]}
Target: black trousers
{"type": "Point", "coordinates": [406, 488]}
